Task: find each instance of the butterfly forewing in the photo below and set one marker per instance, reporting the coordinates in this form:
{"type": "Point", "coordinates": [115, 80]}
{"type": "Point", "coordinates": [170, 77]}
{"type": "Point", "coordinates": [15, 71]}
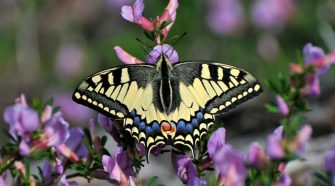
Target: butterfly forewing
{"type": "Point", "coordinates": [216, 87]}
{"type": "Point", "coordinates": [115, 92]}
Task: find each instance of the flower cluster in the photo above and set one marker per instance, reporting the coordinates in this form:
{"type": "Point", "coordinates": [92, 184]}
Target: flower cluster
{"type": "Point", "coordinates": [44, 132]}
{"type": "Point", "coordinates": [227, 17]}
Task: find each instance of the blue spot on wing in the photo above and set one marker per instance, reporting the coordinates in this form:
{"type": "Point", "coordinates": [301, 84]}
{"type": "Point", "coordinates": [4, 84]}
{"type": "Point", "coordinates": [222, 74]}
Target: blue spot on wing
{"type": "Point", "coordinates": [181, 126]}
{"type": "Point", "coordinates": [189, 128]}
{"type": "Point", "coordinates": [199, 116]}
{"type": "Point", "coordinates": [195, 123]}
{"type": "Point", "coordinates": [155, 127]}
{"type": "Point", "coordinates": [148, 131]}
{"type": "Point", "coordinates": [142, 125]}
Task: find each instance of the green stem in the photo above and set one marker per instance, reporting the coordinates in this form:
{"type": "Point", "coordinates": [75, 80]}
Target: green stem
{"type": "Point", "coordinates": [9, 163]}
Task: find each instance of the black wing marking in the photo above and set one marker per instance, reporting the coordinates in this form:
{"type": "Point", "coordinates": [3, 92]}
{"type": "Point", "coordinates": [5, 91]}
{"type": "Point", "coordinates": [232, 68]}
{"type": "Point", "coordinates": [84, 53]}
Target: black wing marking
{"type": "Point", "coordinates": [117, 91]}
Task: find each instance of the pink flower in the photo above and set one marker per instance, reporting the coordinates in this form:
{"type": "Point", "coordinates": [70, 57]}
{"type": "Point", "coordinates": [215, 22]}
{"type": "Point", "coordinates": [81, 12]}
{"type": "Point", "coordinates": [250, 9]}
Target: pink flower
{"type": "Point", "coordinates": [125, 57]}
{"type": "Point", "coordinates": [134, 14]}
{"type": "Point", "coordinates": [298, 145]}
{"type": "Point", "coordinates": [256, 156]}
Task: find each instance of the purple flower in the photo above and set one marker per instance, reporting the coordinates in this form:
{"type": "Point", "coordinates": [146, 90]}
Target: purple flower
{"type": "Point", "coordinates": [159, 50]}
{"type": "Point", "coordinates": [56, 130]}
{"type": "Point", "coordinates": [272, 14]}
{"type": "Point", "coordinates": [256, 156]}
{"type": "Point", "coordinates": [21, 119]}
{"type": "Point", "coordinates": [76, 144]}
{"type": "Point", "coordinates": [216, 141]}
{"type": "Point", "coordinates": [47, 171]}
{"type": "Point", "coordinates": [4, 182]}
{"type": "Point", "coordinates": [284, 180]}
{"type": "Point", "coordinates": [312, 53]}
{"type": "Point", "coordinates": [274, 146]}
{"type": "Point", "coordinates": [184, 168]}
{"type": "Point", "coordinates": [106, 123]}
{"type": "Point", "coordinates": [119, 166]}
{"type": "Point", "coordinates": [59, 169]}
{"type": "Point", "coordinates": [24, 146]}
{"type": "Point", "coordinates": [228, 161]}
{"type": "Point", "coordinates": [140, 149]}
{"type": "Point", "coordinates": [64, 182]}
{"type": "Point", "coordinates": [301, 139]}
{"type": "Point", "coordinates": [197, 182]}
{"type": "Point", "coordinates": [134, 14]}
{"type": "Point", "coordinates": [230, 165]}
{"type": "Point", "coordinates": [225, 16]}
{"type": "Point", "coordinates": [69, 61]}
{"type": "Point", "coordinates": [70, 109]}
{"type": "Point", "coordinates": [312, 87]}
{"type": "Point", "coordinates": [329, 160]}
{"type": "Point", "coordinates": [282, 106]}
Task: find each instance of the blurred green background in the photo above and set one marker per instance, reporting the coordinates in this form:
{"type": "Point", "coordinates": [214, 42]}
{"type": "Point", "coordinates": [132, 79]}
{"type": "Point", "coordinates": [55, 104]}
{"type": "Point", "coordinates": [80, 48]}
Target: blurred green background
{"type": "Point", "coordinates": [47, 47]}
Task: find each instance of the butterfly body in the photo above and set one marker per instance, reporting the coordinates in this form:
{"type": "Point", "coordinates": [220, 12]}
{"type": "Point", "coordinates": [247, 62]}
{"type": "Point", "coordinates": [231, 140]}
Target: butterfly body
{"type": "Point", "coordinates": [167, 102]}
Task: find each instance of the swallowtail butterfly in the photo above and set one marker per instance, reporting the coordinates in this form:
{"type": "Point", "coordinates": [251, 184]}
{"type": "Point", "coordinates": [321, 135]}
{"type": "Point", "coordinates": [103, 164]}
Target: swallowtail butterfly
{"type": "Point", "coordinates": [167, 103]}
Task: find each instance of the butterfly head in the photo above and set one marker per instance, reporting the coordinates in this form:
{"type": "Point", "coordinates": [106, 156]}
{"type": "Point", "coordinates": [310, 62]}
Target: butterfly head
{"type": "Point", "coordinates": [163, 62]}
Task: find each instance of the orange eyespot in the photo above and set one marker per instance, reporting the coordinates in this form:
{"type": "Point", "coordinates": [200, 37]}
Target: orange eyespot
{"type": "Point", "coordinates": [167, 127]}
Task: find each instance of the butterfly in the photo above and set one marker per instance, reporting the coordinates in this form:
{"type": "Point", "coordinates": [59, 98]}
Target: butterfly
{"type": "Point", "coordinates": [167, 103]}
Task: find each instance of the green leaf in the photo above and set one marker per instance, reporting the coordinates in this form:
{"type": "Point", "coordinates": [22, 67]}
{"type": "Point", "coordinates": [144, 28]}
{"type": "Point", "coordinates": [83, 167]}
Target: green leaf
{"type": "Point", "coordinates": [37, 104]}
{"type": "Point", "coordinates": [272, 86]}
{"type": "Point", "coordinates": [323, 179]}
{"type": "Point", "coordinates": [272, 108]}
{"type": "Point", "coordinates": [149, 35]}
{"type": "Point", "coordinates": [49, 102]}
{"type": "Point", "coordinates": [103, 140]}
{"type": "Point", "coordinates": [55, 110]}
{"type": "Point", "coordinates": [151, 180]}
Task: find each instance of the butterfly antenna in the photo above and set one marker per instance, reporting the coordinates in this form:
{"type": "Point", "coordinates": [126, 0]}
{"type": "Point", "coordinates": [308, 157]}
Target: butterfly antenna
{"type": "Point", "coordinates": [145, 48]}
{"type": "Point", "coordinates": [174, 44]}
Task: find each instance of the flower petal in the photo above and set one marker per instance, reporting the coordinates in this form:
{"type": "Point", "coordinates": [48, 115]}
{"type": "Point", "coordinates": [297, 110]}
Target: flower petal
{"type": "Point", "coordinates": [216, 141]}
{"type": "Point", "coordinates": [165, 49]}
{"type": "Point", "coordinates": [125, 57]}
{"type": "Point", "coordinates": [184, 167]}
{"type": "Point", "coordinates": [274, 147]}
{"type": "Point", "coordinates": [282, 106]}
{"type": "Point", "coordinates": [256, 156]}
{"type": "Point", "coordinates": [127, 13]}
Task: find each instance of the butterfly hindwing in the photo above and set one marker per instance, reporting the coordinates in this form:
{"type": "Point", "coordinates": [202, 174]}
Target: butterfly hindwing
{"type": "Point", "coordinates": [115, 92]}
